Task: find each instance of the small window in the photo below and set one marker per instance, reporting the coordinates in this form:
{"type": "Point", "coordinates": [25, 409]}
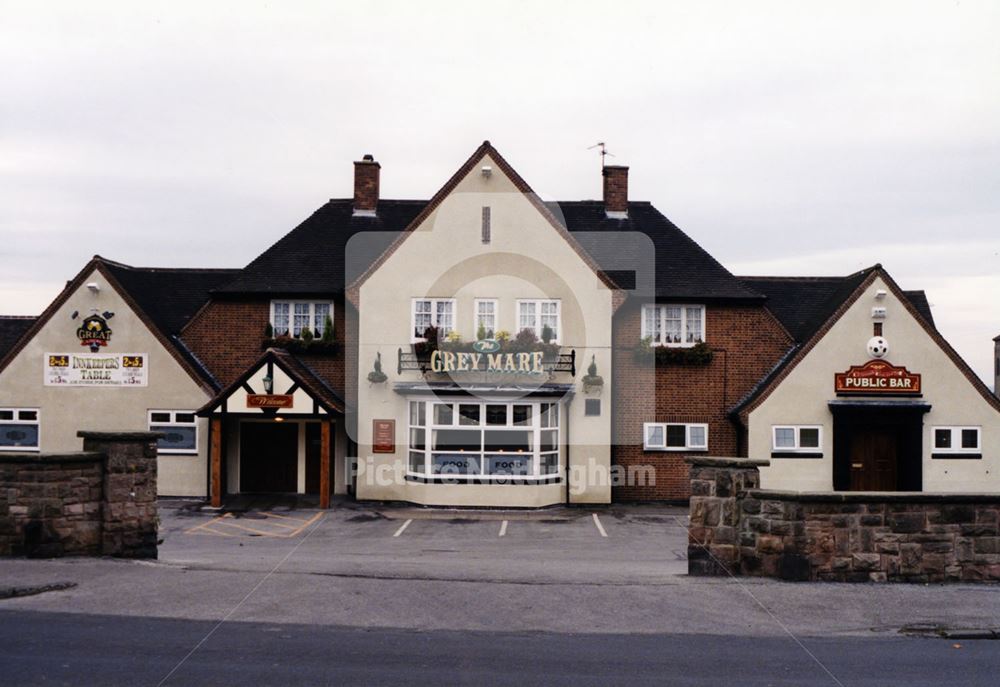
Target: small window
{"type": "Point", "coordinates": [540, 316]}
{"type": "Point", "coordinates": [668, 436]}
{"type": "Point", "coordinates": [592, 407]}
{"type": "Point", "coordinates": [957, 441]}
{"type": "Point", "coordinates": [180, 428]}
{"type": "Point", "coordinates": [432, 312]}
{"type": "Point", "coordinates": [796, 438]}
{"type": "Point", "coordinates": [673, 325]}
{"type": "Point", "coordinates": [291, 318]}
{"type": "Point", "coordinates": [19, 429]}
{"type": "Point", "coordinates": [486, 225]}
{"type": "Point", "coordinates": [486, 317]}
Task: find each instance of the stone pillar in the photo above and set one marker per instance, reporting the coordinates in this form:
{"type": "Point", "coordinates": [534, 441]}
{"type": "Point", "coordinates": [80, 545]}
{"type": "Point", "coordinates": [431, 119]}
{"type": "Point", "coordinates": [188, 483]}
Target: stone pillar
{"type": "Point", "coordinates": [129, 517]}
{"type": "Point", "coordinates": [717, 486]}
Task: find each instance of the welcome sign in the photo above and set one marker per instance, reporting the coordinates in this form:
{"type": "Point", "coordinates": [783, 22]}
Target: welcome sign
{"type": "Point", "coordinates": [96, 369]}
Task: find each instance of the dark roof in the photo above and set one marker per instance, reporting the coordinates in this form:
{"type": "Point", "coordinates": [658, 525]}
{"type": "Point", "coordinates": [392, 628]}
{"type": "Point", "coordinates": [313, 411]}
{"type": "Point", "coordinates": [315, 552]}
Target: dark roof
{"type": "Point", "coordinates": [803, 304]}
{"type": "Point", "coordinates": [169, 297]}
{"type": "Point", "coordinates": [12, 327]}
{"type": "Point", "coordinates": [313, 257]}
{"type": "Point", "coordinates": [316, 258]}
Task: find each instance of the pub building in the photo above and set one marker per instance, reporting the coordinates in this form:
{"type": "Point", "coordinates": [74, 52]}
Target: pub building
{"type": "Point", "coordinates": [487, 348]}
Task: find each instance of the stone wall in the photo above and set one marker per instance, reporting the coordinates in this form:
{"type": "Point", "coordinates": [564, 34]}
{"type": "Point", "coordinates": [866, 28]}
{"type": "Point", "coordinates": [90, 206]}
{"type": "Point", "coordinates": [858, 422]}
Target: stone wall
{"type": "Point", "coordinates": [101, 501]}
{"type": "Point", "coordinates": [739, 529]}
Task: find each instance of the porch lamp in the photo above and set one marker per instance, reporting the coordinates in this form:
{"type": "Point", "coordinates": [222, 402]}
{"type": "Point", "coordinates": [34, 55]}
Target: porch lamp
{"type": "Point", "coordinates": [268, 384]}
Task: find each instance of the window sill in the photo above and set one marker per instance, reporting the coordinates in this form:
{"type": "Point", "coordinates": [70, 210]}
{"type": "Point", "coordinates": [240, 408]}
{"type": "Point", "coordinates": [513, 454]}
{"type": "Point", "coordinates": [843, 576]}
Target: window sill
{"type": "Point", "coordinates": [680, 449]}
{"type": "Point", "coordinates": [177, 453]}
{"type": "Point", "coordinates": [957, 456]}
{"type": "Point", "coordinates": [20, 449]}
{"type": "Point", "coordinates": [496, 480]}
{"type": "Point", "coordinates": [796, 454]}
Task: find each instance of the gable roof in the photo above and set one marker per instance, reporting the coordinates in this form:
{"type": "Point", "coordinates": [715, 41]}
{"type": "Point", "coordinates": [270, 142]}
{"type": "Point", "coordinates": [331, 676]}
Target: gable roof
{"type": "Point", "coordinates": [834, 305]}
{"type": "Point", "coordinates": [312, 259]}
{"type": "Point", "coordinates": [12, 328]}
{"type": "Point", "coordinates": [803, 304]}
{"type": "Point", "coordinates": [299, 371]}
{"type": "Point", "coordinates": [162, 298]}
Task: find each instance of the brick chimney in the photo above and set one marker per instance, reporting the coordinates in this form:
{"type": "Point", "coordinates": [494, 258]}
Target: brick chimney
{"type": "Point", "coordinates": [366, 186]}
{"type": "Point", "coordinates": [616, 191]}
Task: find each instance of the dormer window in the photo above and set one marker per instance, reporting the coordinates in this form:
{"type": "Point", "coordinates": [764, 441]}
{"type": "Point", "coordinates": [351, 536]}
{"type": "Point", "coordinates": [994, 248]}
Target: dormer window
{"type": "Point", "coordinates": [673, 325]}
{"type": "Point", "coordinates": [290, 318]}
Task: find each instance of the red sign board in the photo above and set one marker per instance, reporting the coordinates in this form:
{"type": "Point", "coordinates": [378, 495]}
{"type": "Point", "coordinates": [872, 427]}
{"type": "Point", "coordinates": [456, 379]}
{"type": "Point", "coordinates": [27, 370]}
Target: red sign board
{"type": "Point", "coordinates": [383, 436]}
{"type": "Point", "coordinates": [877, 377]}
{"type": "Point", "coordinates": [270, 401]}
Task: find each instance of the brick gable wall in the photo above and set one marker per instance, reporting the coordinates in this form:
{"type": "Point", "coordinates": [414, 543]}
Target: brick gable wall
{"type": "Point", "coordinates": [747, 342]}
{"type": "Point", "coordinates": [227, 336]}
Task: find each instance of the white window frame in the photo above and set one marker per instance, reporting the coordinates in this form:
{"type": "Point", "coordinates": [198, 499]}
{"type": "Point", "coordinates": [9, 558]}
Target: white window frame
{"type": "Point", "coordinates": [475, 315]}
{"type": "Point", "coordinates": [798, 447]}
{"type": "Point", "coordinates": [37, 422]}
{"type": "Point", "coordinates": [434, 316]}
{"type": "Point", "coordinates": [174, 423]}
{"type": "Point", "coordinates": [291, 303]}
{"type": "Point", "coordinates": [535, 427]}
{"type": "Point", "coordinates": [537, 327]}
{"type": "Point", "coordinates": [661, 314]}
{"type": "Point", "coordinates": [688, 446]}
{"type": "Point", "coordinates": [956, 433]}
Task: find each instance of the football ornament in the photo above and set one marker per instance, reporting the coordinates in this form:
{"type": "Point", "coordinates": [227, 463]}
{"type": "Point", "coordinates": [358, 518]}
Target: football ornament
{"type": "Point", "coordinates": [878, 347]}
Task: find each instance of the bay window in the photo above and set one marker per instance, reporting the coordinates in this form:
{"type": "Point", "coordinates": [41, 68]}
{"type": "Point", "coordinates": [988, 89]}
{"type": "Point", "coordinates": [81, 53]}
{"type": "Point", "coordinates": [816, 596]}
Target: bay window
{"type": "Point", "coordinates": [289, 318]}
{"type": "Point", "coordinates": [537, 315]}
{"type": "Point", "coordinates": [673, 325]}
{"type": "Point", "coordinates": [432, 312]}
{"type": "Point", "coordinates": [483, 440]}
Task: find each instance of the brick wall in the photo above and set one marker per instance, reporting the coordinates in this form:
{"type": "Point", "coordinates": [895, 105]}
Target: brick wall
{"type": "Point", "coordinates": [99, 501]}
{"type": "Point", "coordinates": [739, 529]}
{"type": "Point", "coordinates": [227, 336]}
{"type": "Point", "coordinates": [746, 341]}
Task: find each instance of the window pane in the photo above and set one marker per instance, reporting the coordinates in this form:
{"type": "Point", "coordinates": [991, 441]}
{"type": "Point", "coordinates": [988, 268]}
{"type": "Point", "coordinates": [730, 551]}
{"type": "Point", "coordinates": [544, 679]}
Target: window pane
{"type": "Point", "coordinates": [468, 414]}
{"type": "Point", "coordinates": [456, 464]}
{"type": "Point", "coordinates": [970, 438]}
{"type": "Point", "coordinates": [693, 325]}
{"type": "Point", "coordinates": [300, 318]}
{"type": "Point", "coordinates": [784, 437]}
{"type": "Point", "coordinates": [496, 415]}
{"type": "Point", "coordinates": [159, 417]}
{"type": "Point", "coordinates": [178, 438]}
{"type": "Point", "coordinates": [417, 439]}
{"type": "Point", "coordinates": [549, 463]}
{"type": "Point", "coordinates": [697, 434]}
{"type": "Point", "coordinates": [672, 325]}
{"type": "Point", "coordinates": [809, 437]}
{"type": "Point", "coordinates": [527, 316]}
{"type": "Point", "coordinates": [27, 415]}
{"type": "Point", "coordinates": [443, 414]}
{"type": "Point", "coordinates": [676, 436]}
{"type": "Point", "coordinates": [422, 318]}
{"type": "Point", "coordinates": [651, 315]}
{"type": "Point", "coordinates": [417, 413]}
{"type": "Point", "coordinates": [6, 414]}
{"type": "Point", "coordinates": [506, 441]}
{"type": "Point", "coordinates": [549, 318]}
{"type": "Point", "coordinates": [547, 441]}
{"type": "Point", "coordinates": [19, 435]}
{"type": "Point", "coordinates": [460, 440]}
{"type": "Point", "coordinates": [321, 312]}
{"type": "Point", "coordinates": [509, 464]}
{"type": "Point", "coordinates": [445, 320]}
{"type": "Point", "coordinates": [184, 417]}
{"type": "Point", "coordinates": [654, 435]}
{"type": "Point", "coordinates": [942, 438]}
{"type": "Point", "coordinates": [280, 324]}
{"type": "Point", "coordinates": [522, 415]}
{"type": "Point", "coordinates": [416, 462]}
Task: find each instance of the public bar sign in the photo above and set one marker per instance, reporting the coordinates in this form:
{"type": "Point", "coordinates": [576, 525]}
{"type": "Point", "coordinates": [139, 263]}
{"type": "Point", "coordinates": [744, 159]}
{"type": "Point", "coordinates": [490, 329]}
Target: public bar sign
{"type": "Point", "coordinates": [270, 401]}
{"type": "Point", "coordinates": [877, 377]}
{"type": "Point", "coordinates": [383, 436]}
{"type": "Point", "coordinates": [96, 369]}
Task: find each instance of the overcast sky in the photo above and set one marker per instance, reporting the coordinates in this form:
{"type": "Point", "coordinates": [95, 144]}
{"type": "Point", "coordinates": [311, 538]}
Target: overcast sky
{"type": "Point", "coordinates": [785, 137]}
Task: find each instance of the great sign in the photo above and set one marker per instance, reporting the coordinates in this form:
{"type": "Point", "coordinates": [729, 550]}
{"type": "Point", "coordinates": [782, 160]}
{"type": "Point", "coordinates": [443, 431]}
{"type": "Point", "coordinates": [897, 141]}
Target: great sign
{"type": "Point", "coordinates": [877, 377]}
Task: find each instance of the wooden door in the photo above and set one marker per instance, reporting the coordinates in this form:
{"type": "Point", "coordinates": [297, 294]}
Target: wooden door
{"type": "Point", "coordinates": [874, 460]}
{"type": "Point", "coordinates": [269, 457]}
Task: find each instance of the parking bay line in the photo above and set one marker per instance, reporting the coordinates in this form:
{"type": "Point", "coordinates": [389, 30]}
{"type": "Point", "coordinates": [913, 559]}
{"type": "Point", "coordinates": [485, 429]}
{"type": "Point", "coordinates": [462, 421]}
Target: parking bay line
{"type": "Point", "coordinates": [600, 527]}
{"type": "Point", "coordinates": [403, 527]}
{"type": "Point", "coordinates": [503, 528]}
